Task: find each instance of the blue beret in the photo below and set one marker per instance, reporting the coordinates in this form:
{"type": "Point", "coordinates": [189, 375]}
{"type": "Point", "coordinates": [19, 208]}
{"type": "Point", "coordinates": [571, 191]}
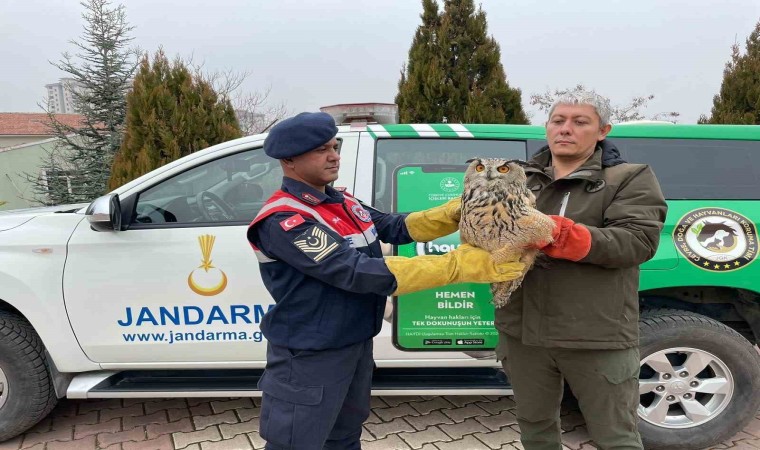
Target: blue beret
{"type": "Point", "coordinates": [299, 134]}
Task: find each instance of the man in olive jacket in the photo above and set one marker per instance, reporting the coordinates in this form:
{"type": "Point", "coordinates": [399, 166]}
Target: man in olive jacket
{"type": "Point", "coordinates": [575, 318]}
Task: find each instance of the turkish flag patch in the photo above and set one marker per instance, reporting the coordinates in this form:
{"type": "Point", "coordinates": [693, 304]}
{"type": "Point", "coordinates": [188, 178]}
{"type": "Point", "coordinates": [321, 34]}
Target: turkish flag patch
{"type": "Point", "coordinates": [291, 222]}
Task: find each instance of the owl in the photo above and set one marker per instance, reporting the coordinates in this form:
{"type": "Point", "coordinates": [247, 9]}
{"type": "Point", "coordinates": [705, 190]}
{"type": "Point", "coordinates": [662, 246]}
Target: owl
{"type": "Point", "coordinates": [499, 215]}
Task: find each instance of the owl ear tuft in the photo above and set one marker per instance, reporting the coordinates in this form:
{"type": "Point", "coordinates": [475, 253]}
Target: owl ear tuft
{"type": "Point", "coordinates": [471, 160]}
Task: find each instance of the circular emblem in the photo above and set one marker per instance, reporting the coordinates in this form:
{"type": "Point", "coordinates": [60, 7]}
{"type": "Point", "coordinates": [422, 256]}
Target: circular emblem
{"type": "Point", "coordinates": [716, 239]}
{"type": "Point", "coordinates": [678, 387]}
{"type": "Point", "coordinates": [361, 213]}
{"type": "Point", "coordinates": [450, 184]}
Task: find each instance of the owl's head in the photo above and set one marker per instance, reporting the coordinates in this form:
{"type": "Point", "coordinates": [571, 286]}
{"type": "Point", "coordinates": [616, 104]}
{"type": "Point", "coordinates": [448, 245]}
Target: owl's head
{"type": "Point", "coordinates": [494, 173]}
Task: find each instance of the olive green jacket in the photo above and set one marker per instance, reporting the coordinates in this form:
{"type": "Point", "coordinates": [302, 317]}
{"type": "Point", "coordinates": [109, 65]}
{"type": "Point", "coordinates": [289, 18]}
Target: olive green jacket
{"type": "Point", "coordinates": [592, 303]}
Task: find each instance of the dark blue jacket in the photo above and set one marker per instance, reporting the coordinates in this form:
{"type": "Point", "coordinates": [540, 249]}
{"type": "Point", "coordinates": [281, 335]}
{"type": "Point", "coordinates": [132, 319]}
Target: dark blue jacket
{"type": "Point", "coordinates": [320, 258]}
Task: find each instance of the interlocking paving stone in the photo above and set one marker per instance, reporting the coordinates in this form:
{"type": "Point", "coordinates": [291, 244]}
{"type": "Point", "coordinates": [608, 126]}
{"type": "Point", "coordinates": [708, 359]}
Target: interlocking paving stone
{"type": "Point", "coordinates": [433, 404]}
{"type": "Point", "coordinates": [155, 430]}
{"type": "Point", "coordinates": [137, 421]}
{"type": "Point", "coordinates": [66, 422]}
{"type": "Point", "coordinates": [373, 418]}
{"type": "Point", "coordinates": [176, 414]}
{"type": "Point", "coordinates": [392, 442]}
{"type": "Point", "coordinates": [239, 442]}
{"type": "Point", "coordinates": [498, 421]}
{"type": "Point", "coordinates": [182, 440]}
{"type": "Point", "coordinates": [466, 443]}
{"type": "Point", "coordinates": [135, 434]}
{"type": "Point", "coordinates": [202, 422]}
{"type": "Point", "coordinates": [403, 410]}
{"type": "Point", "coordinates": [99, 405]}
{"type": "Point", "coordinates": [422, 422]}
{"type": "Point", "coordinates": [162, 442]}
{"type": "Point", "coordinates": [381, 430]}
{"type": "Point", "coordinates": [221, 406]}
{"type": "Point", "coordinates": [464, 400]}
{"type": "Point", "coordinates": [171, 403]}
{"type": "Point", "coordinates": [229, 431]}
{"type": "Point", "coordinates": [204, 409]}
{"type": "Point", "coordinates": [419, 438]}
{"type": "Point", "coordinates": [110, 426]}
{"type": "Point", "coordinates": [256, 440]}
{"type": "Point", "coordinates": [247, 414]}
{"type": "Point", "coordinates": [377, 402]}
{"type": "Point", "coordinates": [87, 443]}
{"type": "Point", "coordinates": [465, 412]}
{"type": "Point", "coordinates": [458, 430]}
{"type": "Point", "coordinates": [497, 438]}
{"type": "Point", "coordinates": [497, 406]}
{"type": "Point", "coordinates": [56, 435]}
{"type": "Point", "coordinates": [134, 410]}
{"type": "Point", "coordinates": [395, 401]}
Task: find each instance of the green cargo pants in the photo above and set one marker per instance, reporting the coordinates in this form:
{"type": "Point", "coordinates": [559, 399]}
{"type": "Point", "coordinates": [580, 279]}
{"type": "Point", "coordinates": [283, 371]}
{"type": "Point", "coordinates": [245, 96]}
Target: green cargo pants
{"type": "Point", "coordinates": [605, 382]}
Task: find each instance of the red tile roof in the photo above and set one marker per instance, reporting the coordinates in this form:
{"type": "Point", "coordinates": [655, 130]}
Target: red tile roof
{"type": "Point", "coordinates": [28, 124]}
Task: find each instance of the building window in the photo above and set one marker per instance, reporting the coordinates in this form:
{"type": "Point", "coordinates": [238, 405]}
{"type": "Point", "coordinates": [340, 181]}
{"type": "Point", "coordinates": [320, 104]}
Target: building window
{"type": "Point", "coordinates": [56, 181]}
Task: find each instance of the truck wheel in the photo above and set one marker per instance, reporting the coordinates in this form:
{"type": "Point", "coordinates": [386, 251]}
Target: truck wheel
{"type": "Point", "coordinates": [26, 392]}
{"type": "Point", "coordinates": [699, 382]}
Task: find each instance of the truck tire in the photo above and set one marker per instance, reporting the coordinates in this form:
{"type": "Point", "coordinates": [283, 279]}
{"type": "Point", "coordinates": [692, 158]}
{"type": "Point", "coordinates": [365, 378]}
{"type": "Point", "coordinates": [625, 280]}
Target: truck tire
{"type": "Point", "coordinates": [699, 382]}
{"type": "Point", "coordinates": [26, 392]}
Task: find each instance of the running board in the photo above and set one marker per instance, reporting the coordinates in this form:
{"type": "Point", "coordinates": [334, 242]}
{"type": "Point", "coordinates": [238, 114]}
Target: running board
{"type": "Point", "coordinates": [243, 383]}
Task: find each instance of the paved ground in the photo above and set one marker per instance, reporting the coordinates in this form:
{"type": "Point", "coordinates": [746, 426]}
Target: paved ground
{"type": "Point", "coordinates": [426, 423]}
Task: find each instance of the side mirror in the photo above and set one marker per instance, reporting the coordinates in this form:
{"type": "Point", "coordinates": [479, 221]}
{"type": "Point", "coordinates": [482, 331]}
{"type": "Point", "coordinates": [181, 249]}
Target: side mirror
{"type": "Point", "coordinates": [104, 213]}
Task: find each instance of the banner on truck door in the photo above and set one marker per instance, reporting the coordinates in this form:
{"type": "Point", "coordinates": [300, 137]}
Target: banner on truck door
{"type": "Point", "coordinates": [455, 317]}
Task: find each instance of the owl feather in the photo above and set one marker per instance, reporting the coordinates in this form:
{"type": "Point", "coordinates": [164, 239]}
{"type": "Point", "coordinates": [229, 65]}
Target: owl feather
{"type": "Point", "coordinates": [499, 215]}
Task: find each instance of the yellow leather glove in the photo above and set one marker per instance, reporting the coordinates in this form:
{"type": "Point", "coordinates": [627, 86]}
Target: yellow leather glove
{"type": "Point", "coordinates": [424, 226]}
{"type": "Point", "coordinates": [465, 264]}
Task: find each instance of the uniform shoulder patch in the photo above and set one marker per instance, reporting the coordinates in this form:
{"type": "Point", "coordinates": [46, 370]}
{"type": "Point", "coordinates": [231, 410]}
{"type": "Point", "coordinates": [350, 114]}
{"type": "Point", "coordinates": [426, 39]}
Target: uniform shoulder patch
{"type": "Point", "coordinates": [292, 222]}
{"type": "Point", "coordinates": [316, 243]}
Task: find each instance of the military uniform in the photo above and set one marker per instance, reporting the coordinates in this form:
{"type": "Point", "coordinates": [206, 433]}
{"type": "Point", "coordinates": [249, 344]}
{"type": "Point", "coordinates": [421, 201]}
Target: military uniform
{"type": "Point", "coordinates": [321, 260]}
{"type": "Point", "coordinates": [577, 320]}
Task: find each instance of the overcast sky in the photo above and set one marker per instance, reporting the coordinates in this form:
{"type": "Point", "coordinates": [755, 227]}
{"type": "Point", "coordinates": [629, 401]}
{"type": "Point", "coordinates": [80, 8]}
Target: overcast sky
{"type": "Point", "coordinates": [313, 53]}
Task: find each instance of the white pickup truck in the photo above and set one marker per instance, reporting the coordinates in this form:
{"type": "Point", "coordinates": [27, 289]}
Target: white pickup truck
{"type": "Point", "coordinates": [154, 291]}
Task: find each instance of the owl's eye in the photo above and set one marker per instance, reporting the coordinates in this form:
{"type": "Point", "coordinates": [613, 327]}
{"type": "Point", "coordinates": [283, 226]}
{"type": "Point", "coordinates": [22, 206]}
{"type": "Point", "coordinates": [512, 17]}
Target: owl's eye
{"type": "Point", "coordinates": [480, 167]}
{"type": "Point", "coordinates": [503, 169]}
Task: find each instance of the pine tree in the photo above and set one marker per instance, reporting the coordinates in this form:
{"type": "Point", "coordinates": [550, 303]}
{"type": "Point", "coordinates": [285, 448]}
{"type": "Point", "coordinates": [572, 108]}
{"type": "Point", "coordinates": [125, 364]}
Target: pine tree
{"type": "Point", "coordinates": [171, 112]}
{"type": "Point", "coordinates": [101, 73]}
{"type": "Point", "coordinates": [739, 99]}
{"type": "Point", "coordinates": [454, 72]}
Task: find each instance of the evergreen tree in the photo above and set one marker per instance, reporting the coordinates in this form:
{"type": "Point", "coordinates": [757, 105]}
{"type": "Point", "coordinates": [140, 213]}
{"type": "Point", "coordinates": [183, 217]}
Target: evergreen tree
{"type": "Point", "coordinates": [739, 99]}
{"type": "Point", "coordinates": [171, 112]}
{"type": "Point", "coordinates": [100, 73]}
{"type": "Point", "coordinates": [454, 72]}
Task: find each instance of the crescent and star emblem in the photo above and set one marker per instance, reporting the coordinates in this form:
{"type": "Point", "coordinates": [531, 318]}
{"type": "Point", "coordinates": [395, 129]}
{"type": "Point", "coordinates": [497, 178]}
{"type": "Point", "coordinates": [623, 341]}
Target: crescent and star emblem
{"type": "Point", "coordinates": [216, 278]}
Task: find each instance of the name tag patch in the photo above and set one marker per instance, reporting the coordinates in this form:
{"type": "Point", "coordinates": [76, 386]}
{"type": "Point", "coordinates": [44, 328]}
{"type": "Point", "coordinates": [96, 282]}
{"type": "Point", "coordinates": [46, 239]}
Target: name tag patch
{"type": "Point", "coordinates": [316, 243]}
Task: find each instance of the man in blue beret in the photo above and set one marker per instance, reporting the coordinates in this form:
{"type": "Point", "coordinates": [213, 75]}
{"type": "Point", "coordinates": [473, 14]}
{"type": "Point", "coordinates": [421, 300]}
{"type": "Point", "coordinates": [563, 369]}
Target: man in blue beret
{"type": "Point", "coordinates": [320, 258]}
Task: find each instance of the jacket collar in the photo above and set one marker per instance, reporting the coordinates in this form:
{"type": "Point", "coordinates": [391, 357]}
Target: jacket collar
{"type": "Point", "coordinates": [308, 194]}
{"type": "Point", "coordinates": [605, 155]}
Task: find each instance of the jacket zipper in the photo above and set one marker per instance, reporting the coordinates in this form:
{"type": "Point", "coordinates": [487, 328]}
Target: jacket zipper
{"type": "Point", "coordinates": [563, 205]}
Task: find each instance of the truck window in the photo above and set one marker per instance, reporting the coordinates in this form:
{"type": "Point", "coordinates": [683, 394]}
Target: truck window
{"type": "Point", "coordinates": [228, 190]}
{"type": "Point", "coordinates": [699, 169]}
{"type": "Point", "coordinates": [392, 153]}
